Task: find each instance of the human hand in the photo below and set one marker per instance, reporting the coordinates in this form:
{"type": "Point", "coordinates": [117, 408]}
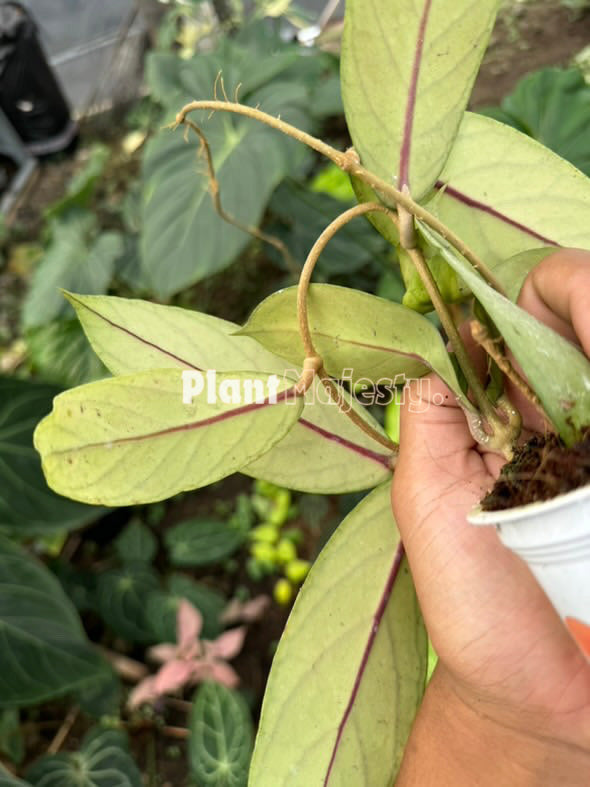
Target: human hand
{"type": "Point", "coordinates": [503, 650]}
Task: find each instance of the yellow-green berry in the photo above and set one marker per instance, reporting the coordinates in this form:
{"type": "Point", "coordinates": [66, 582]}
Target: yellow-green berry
{"type": "Point", "coordinates": [264, 553]}
{"type": "Point", "coordinates": [283, 592]}
{"type": "Point", "coordinates": [297, 570]}
{"type": "Point", "coordinates": [286, 551]}
{"type": "Point", "coordinates": [267, 534]}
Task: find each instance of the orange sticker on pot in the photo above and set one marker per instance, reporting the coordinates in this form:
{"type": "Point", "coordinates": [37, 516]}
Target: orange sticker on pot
{"type": "Point", "coordinates": [580, 632]}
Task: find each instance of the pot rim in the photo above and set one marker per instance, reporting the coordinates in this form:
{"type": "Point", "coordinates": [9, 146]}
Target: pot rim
{"type": "Point", "coordinates": [477, 516]}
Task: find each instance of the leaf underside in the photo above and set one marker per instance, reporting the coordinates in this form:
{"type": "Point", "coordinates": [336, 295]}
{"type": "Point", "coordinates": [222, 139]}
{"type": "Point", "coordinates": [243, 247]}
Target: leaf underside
{"type": "Point", "coordinates": [356, 639]}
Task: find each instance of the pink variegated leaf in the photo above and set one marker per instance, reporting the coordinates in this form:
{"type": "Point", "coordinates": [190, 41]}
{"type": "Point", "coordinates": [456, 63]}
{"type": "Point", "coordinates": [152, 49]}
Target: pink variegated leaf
{"type": "Point", "coordinates": [173, 676]}
{"type": "Point", "coordinates": [226, 646]}
{"type": "Point", "coordinates": [162, 653]}
{"type": "Point", "coordinates": [217, 671]}
{"type": "Point", "coordinates": [245, 612]}
{"type": "Point", "coordinates": [189, 623]}
{"type": "Point", "coordinates": [143, 692]}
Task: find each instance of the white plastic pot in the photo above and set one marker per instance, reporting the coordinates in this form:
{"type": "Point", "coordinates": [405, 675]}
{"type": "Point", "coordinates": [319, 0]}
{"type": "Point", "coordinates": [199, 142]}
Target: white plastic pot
{"type": "Point", "coordinates": [553, 538]}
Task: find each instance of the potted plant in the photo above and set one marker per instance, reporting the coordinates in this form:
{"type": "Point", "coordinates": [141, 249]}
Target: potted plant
{"type": "Point", "coordinates": [471, 206]}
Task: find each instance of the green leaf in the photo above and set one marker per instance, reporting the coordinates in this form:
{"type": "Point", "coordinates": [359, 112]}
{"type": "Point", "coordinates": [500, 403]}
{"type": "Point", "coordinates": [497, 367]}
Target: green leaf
{"type": "Point", "coordinates": [131, 440]}
{"type": "Point", "coordinates": [45, 651]}
{"type": "Point", "coordinates": [518, 196]}
{"type": "Point", "coordinates": [200, 542]}
{"type": "Point", "coordinates": [72, 260]}
{"type": "Point", "coordinates": [557, 371]}
{"type": "Point", "coordinates": [357, 621]}
{"type": "Point", "coordinates": [351, 330]}
{"type": "Point", "coordinates": [184, 239]}
{"type": "Point", "coordinates": [27, 506]}
{"type": "Point", "coordinates": [162, 607]}
{"type": "Point", "coordinates": [324, 452]}
{"type": "Point", "coordinates": [136, 543]}
{"type": "Point", "coordinates": [60, 354]}
{"type": "Point", "coordinates": [12, 742]}
{"type": "Point", "coordinates": [121, 601]}
{"type": "Point", "coordinates": [102, 761]}
{"type": "Point", "coordinates": [552, 105]}
{"type": "Point", "coordinates": [82, 186]}
{"type": "Point", "coordinates": [221, 735]}
{"type": "Point", "coordinates": [8, 780]}
{"type": "Point", "coordinates": [304, 214]}
{"type": "Point", "coordinates": [512, 272]}
{"type": "Point", "coordinates": [407, 71]}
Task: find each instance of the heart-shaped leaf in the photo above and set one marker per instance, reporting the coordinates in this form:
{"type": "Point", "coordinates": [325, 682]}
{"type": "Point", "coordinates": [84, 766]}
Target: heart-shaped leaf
{"type": "Point", "coordinates": [200, 542]}
{"type": "Point", "coordinates": [45, 651]}
{"type": "Point", "coordinates": [556, 370]}
{"type": "Point", "coordinates": [323, 453]}
{"type": "Point", "coordinates": [60, 354]}
{"type": "Point", "coordinates": [136, 543]}
{"type": "Point", "coordinates": [27, 506]}
{"type": "Point", "coordinates": [102, 761]}
{"type": "Point", "coordinates": [407, 71]}
{"type": "Point", "coordinates": [357, 622]}
{"type": "Point", "coordinates": [518, 196]}
{"type": "Point", "coordinates": [355, 333]}
{"type": "Point", "coordinates": [221, 735]}
{"type": "Point", "coordinates": [132, 439]}
{"type": "Point", "coordinates": [183, 238]}
{"type": "Point", "coordinates": [121, 601]}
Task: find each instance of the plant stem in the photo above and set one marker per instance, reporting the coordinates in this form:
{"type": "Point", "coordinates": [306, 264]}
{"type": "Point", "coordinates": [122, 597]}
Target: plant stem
{"type": "Point", "coordinates": [349, 162]}
{"type": "Point", "coordinates": [250, 229]}
{"type": "Point", "coordinates": [482, 337]}
{"type": "Point", "coordinates": [64, 730]}
{"type": "Point", "coordinates": [502, 433]}
{"type": "Point", "coordinates": [313, 363]}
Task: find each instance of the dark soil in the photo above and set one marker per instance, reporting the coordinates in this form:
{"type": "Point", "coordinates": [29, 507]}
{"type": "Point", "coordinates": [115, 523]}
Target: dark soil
{"type": "Point", "coordinates": [542, 469]}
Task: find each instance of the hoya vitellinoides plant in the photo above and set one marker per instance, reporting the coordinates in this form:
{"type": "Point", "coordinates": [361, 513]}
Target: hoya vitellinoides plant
{"type": "Point", "coordinates": [471, 206]}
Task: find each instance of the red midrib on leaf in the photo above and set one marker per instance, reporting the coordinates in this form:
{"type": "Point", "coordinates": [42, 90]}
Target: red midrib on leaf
{"type": "Point", "coordinates": [377, 618]}
{"type": "Point", "coordinates": [449, 191]}
{"type": "Point", "coordinates": [404, 162]}
{"type": "Point", "coordinates": [358, 449]}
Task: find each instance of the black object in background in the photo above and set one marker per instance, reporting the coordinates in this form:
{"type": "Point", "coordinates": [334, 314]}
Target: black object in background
{"type": "Point", "coordinates": [30, 96]}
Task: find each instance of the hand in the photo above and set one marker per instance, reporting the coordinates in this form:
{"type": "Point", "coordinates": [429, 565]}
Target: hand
{"type": "Point", "coordinates": [504, 655]}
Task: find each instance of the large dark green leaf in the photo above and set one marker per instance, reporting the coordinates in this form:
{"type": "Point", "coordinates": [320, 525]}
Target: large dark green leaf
{"type": "Point", "coordinates": [184, 239]}
{"type": "Point", "coordinates": [220, 742]}
{"type": "Point", "coordinates": [102, 761]}
{"type": "Point", "coordinates": [27, 505]}
{"type": "Point", "coordinates": [75, 259]}
{"type": "Point", "coordinates": [121, 596]}
{"type": "Point", "coordinates": [162, 607]}
{"type": "Point", "coordinates": [8, 780]}
{"type": "Point", "coordinates": [199, 542]}
{"type": "Point", "coordinates": [553, 106]}
{"type": "Point", "coordinates": [44, 650]}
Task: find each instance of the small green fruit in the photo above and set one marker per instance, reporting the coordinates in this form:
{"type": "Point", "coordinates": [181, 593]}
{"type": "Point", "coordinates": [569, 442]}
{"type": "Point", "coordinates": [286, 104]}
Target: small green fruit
{"type": "Point", "coordinates": [297, 570]}
{"type": "Point", "coordinates": [283, 592]}
{"type": "Point", "coordinates": [286, 551]}
{"type": "Point", "coordinates": [267, 534]}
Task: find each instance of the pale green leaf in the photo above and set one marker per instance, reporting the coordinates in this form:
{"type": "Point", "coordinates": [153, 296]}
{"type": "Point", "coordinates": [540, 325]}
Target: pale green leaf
{"type": "Point", "coordinates": [131, 439]}
{"type": "Point", "coordinates": [512, 272]}
{"type": "Point", "coordinates": [45, 653]}
{"type": "Point", "coordinates": [183, 238]}
{"type": "Point", "coordinates": [323, 453]}
{"type": "Point", "coordinates": [221, 735]}
{"type": "Point", "coordinates": [515, 196]}
{"type": "Point", "coordinates": [350, 669]}
{"type": "Point", "coordinates": [556, 370]}
{"type": "Point", "coordinates": [407, 71]}
{"type": "Point", "coordinates": [103, 760]}
{"type": "Point", "coordinates": [354, 333]}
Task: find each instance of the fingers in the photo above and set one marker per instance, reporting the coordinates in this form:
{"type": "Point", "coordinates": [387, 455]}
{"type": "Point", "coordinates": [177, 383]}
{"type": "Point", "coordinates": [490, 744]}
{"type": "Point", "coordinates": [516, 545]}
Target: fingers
{"type": "Point", "coordinates": [557, 292]}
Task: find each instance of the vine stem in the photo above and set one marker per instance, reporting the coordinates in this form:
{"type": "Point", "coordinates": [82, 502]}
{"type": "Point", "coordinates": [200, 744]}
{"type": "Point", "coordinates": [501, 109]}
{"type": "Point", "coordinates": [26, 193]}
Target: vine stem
{"type": "Point", "coordinates": [313, 364]}
{"type": "Point", "coordinates": [349, 162]}
{"type": "Point", "coordinates": [250, 229]}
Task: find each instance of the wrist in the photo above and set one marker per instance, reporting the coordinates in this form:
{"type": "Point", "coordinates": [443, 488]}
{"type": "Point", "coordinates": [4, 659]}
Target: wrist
{"type": "Point", "coordinates": [461, 739]}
